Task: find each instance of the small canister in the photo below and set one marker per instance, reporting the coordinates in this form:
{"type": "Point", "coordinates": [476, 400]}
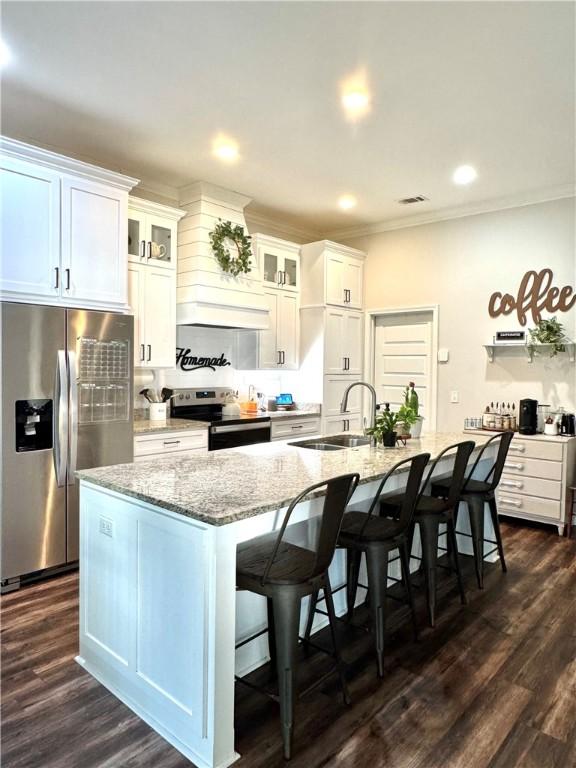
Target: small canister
{"type": "Point", "coordinates": [498, 422]}
{"type": "Point", "coordinates": [506, 422]}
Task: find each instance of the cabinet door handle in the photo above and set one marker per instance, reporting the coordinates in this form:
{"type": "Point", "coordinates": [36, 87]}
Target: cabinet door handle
{"type": "Point", "coordinates": [149, 249]}
{"type": "Point", "coordinates": [149, 353]}
{"type": "Point", "coordinates": [282, 357]}
{"type": "Point", "coordinates": [279, 358]}
{"type": "Point", "coordinates": [517, 448]}
{"type": "Point", "coordinates": [511, 465]}
{"type": "Point", "coordinates": [142, 248]}
{"type": "Point", "coordinates": [511, 484]}
{"type": "Point", "coordinates": [142, 353]}
{"type": "Point", "coordinates": [298, 426]}
{"type": "Point", "coordinates": [171, 442]}
{"type": "Point", "coordinates": [284, 277]}
{"type": "Point", "coordinates": [57, 269]}
{"type": "Point", "coordinates": [279, 278]}
{"type": "Point", "coordinates": [511, 502]}
{"type": "Point", "coordinates": [67, 279]}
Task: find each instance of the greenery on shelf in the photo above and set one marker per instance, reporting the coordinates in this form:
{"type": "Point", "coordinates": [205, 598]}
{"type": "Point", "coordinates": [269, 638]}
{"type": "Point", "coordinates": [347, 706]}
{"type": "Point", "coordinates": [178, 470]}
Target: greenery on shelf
{"type": "Point", "coordinates": [407, 417]}
{"type": "Point", "coordinates": [224, 234]}
{"type": "Point", "coordinates": [548, 332]}
{"type": "Point", "coordinates": [411, 398]}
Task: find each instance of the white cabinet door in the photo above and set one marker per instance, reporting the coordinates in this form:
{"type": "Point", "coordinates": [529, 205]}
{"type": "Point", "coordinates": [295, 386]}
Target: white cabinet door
{"type": "Point", "coordinates": [94, 236]}
{"type": "Point", "coordinates": [137, 236]}
{"type": "Point", "coordinates": [349, 422]}
{"type": "Point", "coordinates": [334, 278]}
{"type": "Point", "coordinates": [353, 281]}
{"type": "Point", "coordinates": [334, 388]}
{"type": "Point", "coordinates": [159, 317]}
{"type": "Point", "coordinates": [162, 240]}
{"type": "Point", "coordinates": [288, 325]}
{"type": "Point", "coordinates": [268, 356]}
{"type": "Point", "coordinates": [352, 342]}
{"type": "Point", "coordinates": [136, 278]}
{"type": "Point", "coordinates": [30, 230]}
{"type": "Point", "coordinates": [334, 341]}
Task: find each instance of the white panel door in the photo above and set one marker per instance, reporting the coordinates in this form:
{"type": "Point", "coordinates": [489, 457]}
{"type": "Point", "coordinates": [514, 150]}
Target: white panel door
{"type": "Point", "coordinates": [334, 278]}
{"type": "Point", "coordinates": [159, 317]}
{"type": "Point", "coordinates": [403, 352]}
{"type": "Point", "coordinates": [352, 341]}
{"type": "Point", "coordinates": [268, 356]}
{"type": "Point", "coordinates": [353, 282]}
{"type": "Point", "coordinates": [136, 278]}
{"type": "Point", "coordinates": [30, 229]}
{"type": "Point", "coordinates": [94, 237]}
{"type": "Point", "coordinates": [288, 341]}
{"type": "Point", "coordinates": [334, 341]}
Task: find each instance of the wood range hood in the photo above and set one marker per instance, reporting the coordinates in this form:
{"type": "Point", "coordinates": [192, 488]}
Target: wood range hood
{"type": "Point", "coordinates": [205, 295]}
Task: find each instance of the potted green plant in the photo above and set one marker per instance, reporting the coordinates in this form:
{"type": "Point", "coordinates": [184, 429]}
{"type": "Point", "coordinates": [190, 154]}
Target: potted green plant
{"type": "Point", "coordinates": [407, 418]}
{"type": "Point", "coordinates": [384, 430]}
{"type": "Point", "coordinates": [411, 399]}
{"type": "Point", "coordinates": [549, 332]}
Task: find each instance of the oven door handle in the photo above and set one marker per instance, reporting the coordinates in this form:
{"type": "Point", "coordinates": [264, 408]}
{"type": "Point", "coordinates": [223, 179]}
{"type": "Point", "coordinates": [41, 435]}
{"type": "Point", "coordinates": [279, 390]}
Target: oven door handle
{"type": "Point", "coordinates": [219, 430]}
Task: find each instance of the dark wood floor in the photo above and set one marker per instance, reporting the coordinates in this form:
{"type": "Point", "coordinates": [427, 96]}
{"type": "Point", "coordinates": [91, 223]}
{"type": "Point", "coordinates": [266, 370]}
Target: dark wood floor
{"type": "Point", "coordinates": [493, 686]}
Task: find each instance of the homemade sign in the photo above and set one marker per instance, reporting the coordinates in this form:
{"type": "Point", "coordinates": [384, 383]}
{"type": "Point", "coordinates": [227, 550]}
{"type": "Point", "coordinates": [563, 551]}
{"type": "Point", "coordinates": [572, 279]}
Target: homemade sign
{"type": "Point", "coordinates": [535, 295]}
{"type": "Point", "coordinates": [188, 362]}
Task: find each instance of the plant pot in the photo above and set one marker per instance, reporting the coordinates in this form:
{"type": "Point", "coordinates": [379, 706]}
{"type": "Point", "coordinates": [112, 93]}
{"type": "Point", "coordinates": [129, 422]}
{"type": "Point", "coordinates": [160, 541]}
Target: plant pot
{"type": "Point", "coordinates": [389, 439]}
{"type": "Point", "coordinates": [416, 430]}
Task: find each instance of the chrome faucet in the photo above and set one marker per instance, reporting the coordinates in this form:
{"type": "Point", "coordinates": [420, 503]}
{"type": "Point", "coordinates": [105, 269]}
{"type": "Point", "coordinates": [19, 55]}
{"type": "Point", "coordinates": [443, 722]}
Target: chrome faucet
{"type": "Point", "coordinates": [344, 403]}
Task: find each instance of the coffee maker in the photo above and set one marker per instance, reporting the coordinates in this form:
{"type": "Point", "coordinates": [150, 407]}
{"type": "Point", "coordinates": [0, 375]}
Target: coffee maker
{"type": "Point", "coordinates": [528, 417]}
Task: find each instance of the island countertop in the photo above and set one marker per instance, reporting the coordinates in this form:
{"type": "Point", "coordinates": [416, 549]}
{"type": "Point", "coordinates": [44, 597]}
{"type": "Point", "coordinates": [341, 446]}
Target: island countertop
{"type": "Point", "coordinates": [221, 487]}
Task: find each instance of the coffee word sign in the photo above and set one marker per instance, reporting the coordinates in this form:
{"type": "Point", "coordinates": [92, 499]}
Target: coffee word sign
{"type": "Point", "coordinates": [189, 362]}
{"type": "Point", "coordinates": [536, 294]}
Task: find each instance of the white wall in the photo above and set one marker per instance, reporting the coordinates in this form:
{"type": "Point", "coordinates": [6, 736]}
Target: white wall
{"type": "Point", "coordinates": [458, 264]}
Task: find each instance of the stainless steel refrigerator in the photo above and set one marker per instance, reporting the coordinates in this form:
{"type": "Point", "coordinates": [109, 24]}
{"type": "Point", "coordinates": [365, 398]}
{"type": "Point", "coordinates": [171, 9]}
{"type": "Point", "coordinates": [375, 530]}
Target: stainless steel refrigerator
{"type": "Point", "coordinates": [67, 390]}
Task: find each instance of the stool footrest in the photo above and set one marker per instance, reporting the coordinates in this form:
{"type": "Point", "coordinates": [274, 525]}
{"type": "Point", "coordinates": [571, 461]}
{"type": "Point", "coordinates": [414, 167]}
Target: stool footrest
{"type": "Point", "coordinates": [252, 637]}
{"type": "Point", "coordinates": [257, 688]}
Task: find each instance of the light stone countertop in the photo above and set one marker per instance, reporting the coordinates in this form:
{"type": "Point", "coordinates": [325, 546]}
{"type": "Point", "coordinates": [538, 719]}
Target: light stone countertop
{"type": "Point", "coordinates": [221, 487]}
{"type": "Point", "coordinates": [143, 426]}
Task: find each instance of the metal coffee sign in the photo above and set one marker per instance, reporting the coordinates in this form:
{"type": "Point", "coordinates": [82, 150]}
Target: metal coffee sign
{"type": "Point", "coordinates": [188, 362]}
{"type": "Point", "coordinates": [536, 294]}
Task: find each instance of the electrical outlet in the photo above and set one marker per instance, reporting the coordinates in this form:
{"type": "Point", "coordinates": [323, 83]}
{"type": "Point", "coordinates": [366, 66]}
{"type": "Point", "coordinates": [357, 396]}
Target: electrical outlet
{"type": "Point", "coordinates": [454, 396]}
{"type": "Point", "coordinates": [106, 526]}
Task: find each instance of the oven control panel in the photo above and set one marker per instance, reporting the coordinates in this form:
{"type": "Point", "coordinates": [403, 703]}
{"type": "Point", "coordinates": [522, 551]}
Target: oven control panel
{"type": "Point", "coordinates": [201, 396]}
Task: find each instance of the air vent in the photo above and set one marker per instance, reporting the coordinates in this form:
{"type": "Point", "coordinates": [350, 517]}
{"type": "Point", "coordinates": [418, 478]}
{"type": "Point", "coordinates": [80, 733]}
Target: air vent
{"type": "Point", "coordinates": [412, 200]}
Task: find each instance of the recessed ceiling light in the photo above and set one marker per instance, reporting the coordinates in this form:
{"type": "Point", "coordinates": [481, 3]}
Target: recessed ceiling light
{"type": "Point", "coordinates": [464, 174]}
{"type": "Point", "coordinates": [356, 98]}
{"type": "Point", "coordinates": [5, 54]}
{"type": "Point", "coordinates": [346, 202]}
{"type": "Point", "coordinates": [225, 149]}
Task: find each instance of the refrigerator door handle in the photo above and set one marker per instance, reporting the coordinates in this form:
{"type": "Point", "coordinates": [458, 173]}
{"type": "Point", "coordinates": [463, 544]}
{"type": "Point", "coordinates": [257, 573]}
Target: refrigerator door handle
{"type": "Point", "coordinates": [60, 448]}
{"type": "Point", "coordinates": [73, 401]}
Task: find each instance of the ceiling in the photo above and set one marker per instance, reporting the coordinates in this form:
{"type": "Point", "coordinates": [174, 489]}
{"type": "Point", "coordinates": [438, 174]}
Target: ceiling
{"type": "Point", "coordinates": [144, 87]}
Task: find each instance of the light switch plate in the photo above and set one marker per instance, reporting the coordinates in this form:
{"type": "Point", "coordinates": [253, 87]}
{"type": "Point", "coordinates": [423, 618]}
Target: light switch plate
{"type": "Point", "coordinates": [443, 355]}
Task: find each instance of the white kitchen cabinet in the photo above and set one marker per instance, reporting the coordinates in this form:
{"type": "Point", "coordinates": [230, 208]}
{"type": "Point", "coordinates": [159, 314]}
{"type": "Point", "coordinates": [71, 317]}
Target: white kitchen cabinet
{"type": "Point", "coordinates": [63, 230]}
{"type": "Point", "coordinates": [332, 274]}
{"type": "Point", "coordinates": [276, 348]}
{"type": "Point", "coordinates": [94, 267]}
{"type": "Point", "coordinates": [183, 443]}
{"type": "Point", "coordinates": [347, 422]}
{"type": "Point", "coordinates": [152, 298]}
{"type": "Point", "coordinates": [343, 345]}
{"type": "Point", "coordinates": [278, 262]}
{"type": "Point", "coordinates": [334, 388]}
{"type": "Point", "coordinates": [290, 427]}
{"type": "Point", "coordinates": [30, 229]}
{"type": "Point", "coordinates": [152, 233]}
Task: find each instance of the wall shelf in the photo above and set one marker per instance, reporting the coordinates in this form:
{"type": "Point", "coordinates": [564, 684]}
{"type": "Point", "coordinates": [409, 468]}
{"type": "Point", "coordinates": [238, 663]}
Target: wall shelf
{"type": "Point", "coordinates": [528, 351]}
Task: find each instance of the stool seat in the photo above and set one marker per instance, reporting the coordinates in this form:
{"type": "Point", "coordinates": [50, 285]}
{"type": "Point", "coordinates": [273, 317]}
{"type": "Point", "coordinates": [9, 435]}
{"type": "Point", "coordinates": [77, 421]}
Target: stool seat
{"type": "Point", "coordinates": [377, 528]}
{"type": "Point", "coordinates": [292, 564]}
{"type": "Point", "coordinates": [427, 505]}
{"type": "Point", "coordinates": [441, 485]}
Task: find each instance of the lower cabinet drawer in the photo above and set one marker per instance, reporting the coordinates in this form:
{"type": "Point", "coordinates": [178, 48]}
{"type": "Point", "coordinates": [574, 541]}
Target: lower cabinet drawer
{"type": "Point", "coordinates": [531, 506]}
{"type": "Point", "coordinates": [169, 442]}
{"type": "Point", "coordinates": [286, 428]}
{"type": "Point", "coordinates": [536, 449]}
{"type": "Point", "coordinates": [174, 454]}
{"type": "Point", "coordinates": [533, 486]}
{"type": "Point", "coordinates": [518, 465]}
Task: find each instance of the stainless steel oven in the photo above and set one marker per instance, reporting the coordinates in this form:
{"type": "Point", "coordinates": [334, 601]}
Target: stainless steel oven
{"type": "Point", "coordinates": [224, 435]}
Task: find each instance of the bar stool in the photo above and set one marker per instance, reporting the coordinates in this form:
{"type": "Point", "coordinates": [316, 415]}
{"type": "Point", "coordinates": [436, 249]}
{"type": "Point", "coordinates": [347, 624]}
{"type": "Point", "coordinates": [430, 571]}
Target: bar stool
{"type": "Point", "coordinates": [365, 533]}
{"type": "Point", "coordinates": [284, 573]}
{"type": "Point", "coordinates": [429, 513]}
{"type": "Point", "coordinates": [475, 494]}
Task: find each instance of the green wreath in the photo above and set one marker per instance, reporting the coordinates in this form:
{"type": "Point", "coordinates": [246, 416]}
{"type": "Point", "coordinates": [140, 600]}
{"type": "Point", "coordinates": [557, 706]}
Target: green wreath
{"type": "Point", "coordinates": [226, 231]}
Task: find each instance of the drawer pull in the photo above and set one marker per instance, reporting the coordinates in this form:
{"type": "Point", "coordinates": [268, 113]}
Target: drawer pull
{"type": "Point", "coordinates": [171, 442]}
{"type": "Point", "coordinates": [510, 465]}
{"type": "Point", "coordinates": [517, 448]}
{"type": "Point", "coordinates": [510, 502]}
{"type": "Point", "coordinates": [511, 484]}
{"type": "Point", "coordinates": [298, 426]}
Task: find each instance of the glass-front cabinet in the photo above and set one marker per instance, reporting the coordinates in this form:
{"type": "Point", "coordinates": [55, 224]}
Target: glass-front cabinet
{"type": "Point", "coordinates": [152, 233]}
{"type": "Point", "coordinates": [279, 262]}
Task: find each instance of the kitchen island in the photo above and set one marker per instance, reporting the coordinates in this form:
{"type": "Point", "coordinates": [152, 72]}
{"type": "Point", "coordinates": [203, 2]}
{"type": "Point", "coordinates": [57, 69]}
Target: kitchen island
{"type": "Point", "coordinates": [159, 612]}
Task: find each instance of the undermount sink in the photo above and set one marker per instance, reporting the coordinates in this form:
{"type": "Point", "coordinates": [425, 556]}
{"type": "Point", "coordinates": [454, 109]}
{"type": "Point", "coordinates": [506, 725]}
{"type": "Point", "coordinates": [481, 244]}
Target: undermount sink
{"type": "Point", "coordinates": [336, 443]}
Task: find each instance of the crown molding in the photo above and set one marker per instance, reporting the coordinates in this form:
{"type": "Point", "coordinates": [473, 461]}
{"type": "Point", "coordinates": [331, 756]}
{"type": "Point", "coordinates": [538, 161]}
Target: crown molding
{"type": "Point", "coordinates": [204, 190]}
{"type": "Point", "coordinates": [275, 226]}
{"type": "Point", "coordinates": [458, 212]}
{"type": "Point", "coordinates": [151, 206]}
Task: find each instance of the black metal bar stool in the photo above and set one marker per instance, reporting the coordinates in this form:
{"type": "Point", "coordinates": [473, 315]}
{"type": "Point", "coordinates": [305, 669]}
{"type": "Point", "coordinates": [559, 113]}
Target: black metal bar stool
{"type": "Point", "coordinates": [429, 513]}
{"type": "Point", "coordinates": [477, 493]}
{"type": "Point", "coordinates": [284, 573]}
{"type": "Point", "coordinates": [365, 533]}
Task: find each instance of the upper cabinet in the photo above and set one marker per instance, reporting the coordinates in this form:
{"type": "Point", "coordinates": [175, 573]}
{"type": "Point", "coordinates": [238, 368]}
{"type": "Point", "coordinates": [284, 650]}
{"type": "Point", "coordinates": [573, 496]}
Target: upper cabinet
{"type": "Point", "coordinates": [152, 233]}
{"type": "Point", "coordinates": [278, 262]}
{"type": "Point", "coordinates": [332, 274]}
{"type": "Point", "coordinates": [63, 228]}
